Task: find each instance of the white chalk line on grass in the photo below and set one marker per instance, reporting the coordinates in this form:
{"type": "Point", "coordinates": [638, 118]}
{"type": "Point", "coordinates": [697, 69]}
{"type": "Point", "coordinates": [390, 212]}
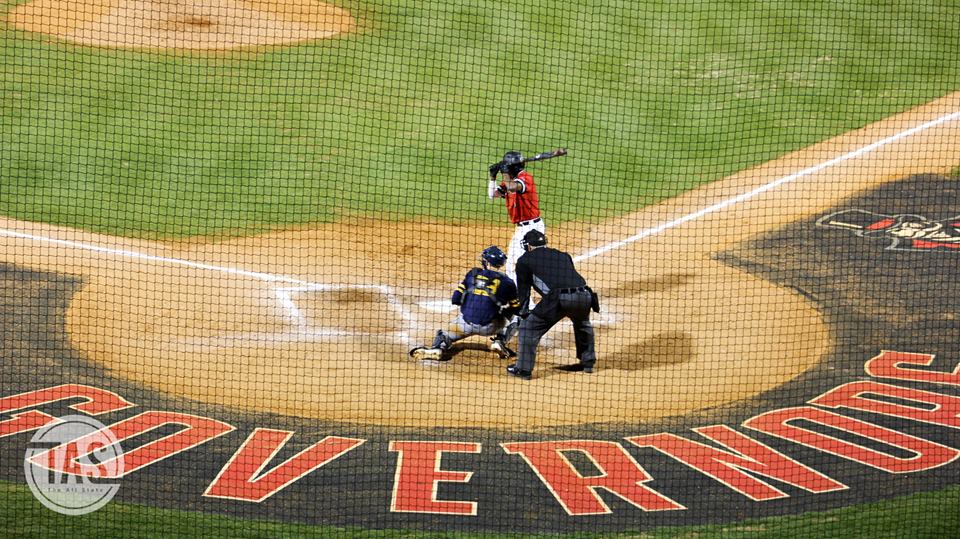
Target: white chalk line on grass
{"type": "Point", "coordinates": [766, 187]}
{"type": "Point", "coordinates": [284, 294]}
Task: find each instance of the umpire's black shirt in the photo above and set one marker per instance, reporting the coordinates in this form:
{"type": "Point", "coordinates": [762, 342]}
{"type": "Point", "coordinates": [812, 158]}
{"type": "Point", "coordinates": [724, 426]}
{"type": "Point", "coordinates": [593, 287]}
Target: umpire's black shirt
{"type": "Point", "coordinates": [545, 269]}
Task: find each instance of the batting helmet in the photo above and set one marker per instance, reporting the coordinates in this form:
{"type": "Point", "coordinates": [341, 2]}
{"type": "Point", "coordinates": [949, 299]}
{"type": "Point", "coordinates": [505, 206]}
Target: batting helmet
{"type": "Point", "coordinates": [494, 256]}
{"type": "Point", "coordinates": [534, 238]}
{"type": "Point", "coordinates": [512, 163]}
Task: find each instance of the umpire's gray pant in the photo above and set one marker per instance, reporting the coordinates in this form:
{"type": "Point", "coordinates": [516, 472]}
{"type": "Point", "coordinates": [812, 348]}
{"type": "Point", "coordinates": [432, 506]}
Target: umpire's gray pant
{"type": "Point", "coordinates": [576, 307]}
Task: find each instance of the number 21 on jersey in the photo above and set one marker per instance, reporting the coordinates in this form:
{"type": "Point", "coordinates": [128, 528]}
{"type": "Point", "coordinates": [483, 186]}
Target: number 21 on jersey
{"type": "Point", "coordinates": [486, 286]}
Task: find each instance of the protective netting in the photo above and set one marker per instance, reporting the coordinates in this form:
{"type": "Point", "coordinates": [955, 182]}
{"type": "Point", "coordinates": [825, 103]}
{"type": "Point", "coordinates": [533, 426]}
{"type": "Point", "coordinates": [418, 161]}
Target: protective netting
{"type": "Point", "coordinates": [265, 267]}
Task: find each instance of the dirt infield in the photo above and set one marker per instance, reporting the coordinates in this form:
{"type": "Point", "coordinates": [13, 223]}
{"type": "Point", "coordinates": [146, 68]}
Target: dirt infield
{"type": "Point", "coordinates": [167, 24]}
{"type": "Point", "coordinates": [316, 322]}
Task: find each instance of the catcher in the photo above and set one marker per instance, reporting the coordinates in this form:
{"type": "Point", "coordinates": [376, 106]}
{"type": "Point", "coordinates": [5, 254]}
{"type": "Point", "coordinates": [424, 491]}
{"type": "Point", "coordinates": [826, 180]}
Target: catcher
{"type": "Point", "coordinates": [488, 300]}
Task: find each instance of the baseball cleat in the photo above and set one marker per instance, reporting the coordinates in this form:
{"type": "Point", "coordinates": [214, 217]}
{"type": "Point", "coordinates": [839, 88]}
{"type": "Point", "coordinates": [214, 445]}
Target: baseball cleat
{"type": "Point", "coordinates": [512, 370]}
{"type": "Point", "coordinates": [501, 349]}
{"type": "Point", "coordinates": [427, 354]}
{"type": "Point", "coordinates": [576, 367]}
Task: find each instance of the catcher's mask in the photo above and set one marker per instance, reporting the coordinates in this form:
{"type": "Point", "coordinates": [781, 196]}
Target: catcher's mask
{"type": "Point", "coordinates": [512, 163]}
{"type": "Point", "coordinates": [534, 238]}
{"type": "Point", "coordinates": [493, 256]}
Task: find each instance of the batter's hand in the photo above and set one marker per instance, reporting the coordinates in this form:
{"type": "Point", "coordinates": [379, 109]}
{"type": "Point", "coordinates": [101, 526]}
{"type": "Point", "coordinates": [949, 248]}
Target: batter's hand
{"type": "Point", "coordinates": [492, 189]}
{"type": "Point", "coordinates": [494, 169]}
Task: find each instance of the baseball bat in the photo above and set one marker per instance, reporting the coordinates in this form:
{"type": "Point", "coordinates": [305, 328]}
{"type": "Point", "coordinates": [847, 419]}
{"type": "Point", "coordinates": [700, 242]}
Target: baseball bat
{"type": "Point", "coordinates": [495, 168]}
{"type": "Point", "coordinates": [546, 155]}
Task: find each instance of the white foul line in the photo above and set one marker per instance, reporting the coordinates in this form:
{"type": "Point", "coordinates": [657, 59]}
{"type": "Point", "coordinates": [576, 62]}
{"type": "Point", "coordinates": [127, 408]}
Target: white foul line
{"type": "Point", "coordinates": [269, 277]}
{"type": "Point", "coordinates": [764, 188]}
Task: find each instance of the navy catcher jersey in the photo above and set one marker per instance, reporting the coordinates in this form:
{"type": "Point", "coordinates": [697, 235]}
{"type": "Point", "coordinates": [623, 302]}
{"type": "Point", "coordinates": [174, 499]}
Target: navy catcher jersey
{"type": "Point", "coordinates": [484, 295]}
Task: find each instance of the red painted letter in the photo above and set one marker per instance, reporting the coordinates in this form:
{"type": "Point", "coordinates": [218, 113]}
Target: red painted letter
{"type": "Point", "coordinates": [236, 480]}
{"type": "Point", "coordinates": [927, 455]}
{"type": "Point", "coordinates": [198, 430]}
{"type": "Point", "coordinates": [619, 474]}
{"type": "Point", "coordinates": [945, 409]}
{"type": "Point", "coordinates": [418, 473]}
{"type": "Point", "coordinates": [889, 365]}
{"type": "Point", "coordinates": [748, 454]}
{"type": "Point", "coordinates": [97, 401]}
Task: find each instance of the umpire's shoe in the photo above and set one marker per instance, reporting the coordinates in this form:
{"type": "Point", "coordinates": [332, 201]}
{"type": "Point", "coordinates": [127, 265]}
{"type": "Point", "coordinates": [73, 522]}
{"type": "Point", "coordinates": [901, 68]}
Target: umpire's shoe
{"type": "Point", "coordinates": [576, 367]}
{"type": "Point", "coordinates": [512, 370]}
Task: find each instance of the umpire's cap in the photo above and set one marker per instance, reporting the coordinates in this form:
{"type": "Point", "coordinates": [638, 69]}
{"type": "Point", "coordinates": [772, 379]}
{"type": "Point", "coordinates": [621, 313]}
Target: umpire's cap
{"type": "Point", "coordinates": [534, 238]}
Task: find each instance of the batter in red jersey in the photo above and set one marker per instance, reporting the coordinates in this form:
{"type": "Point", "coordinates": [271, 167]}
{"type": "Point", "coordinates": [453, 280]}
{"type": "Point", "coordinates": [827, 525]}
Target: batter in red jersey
{"type": "Point", "coordinates": [520, 194]}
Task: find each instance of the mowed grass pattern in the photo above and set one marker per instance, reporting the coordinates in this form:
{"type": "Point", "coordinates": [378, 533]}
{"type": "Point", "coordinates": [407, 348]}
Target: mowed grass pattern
{"type": "Point", "coordinates": [925, 514]}
{"type": "Point", "coordinates": [400, 119]}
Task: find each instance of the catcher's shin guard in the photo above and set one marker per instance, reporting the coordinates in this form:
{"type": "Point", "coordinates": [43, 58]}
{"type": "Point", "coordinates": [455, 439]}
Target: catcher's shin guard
{"type": "Point", "coordinates": [441, 341]}
{"type": "Point", "coordinates": [507, 333]}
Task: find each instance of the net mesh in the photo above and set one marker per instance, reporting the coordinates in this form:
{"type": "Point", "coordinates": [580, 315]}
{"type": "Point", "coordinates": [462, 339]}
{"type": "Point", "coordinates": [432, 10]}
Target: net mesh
{"type": "Point", "coordinates": [247, 285]}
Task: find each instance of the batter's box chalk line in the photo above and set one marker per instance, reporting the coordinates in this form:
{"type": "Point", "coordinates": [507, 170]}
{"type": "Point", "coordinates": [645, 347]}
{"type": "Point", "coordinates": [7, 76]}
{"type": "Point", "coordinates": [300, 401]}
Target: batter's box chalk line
{"type": "Point", "coordinates": [306, 329]}
{"type": "Point", "coordinates": [604, 318]}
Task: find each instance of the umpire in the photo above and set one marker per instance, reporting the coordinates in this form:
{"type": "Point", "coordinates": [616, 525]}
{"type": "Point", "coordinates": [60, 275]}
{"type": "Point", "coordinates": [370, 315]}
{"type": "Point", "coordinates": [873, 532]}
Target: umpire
{"type": "Point", "coordinates": [564, 294]}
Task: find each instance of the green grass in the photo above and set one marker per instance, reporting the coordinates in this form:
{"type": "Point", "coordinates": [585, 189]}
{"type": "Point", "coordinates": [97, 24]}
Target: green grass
{"type": "Point", "coordinates": [928, 514]}
{"type": "Point", "coordinates": [400, 120]}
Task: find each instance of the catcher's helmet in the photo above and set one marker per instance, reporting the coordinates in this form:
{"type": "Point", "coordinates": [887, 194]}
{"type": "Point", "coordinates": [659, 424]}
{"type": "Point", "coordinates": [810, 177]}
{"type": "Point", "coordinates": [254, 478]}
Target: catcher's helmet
{"type": "Point", "coordinates": [512, 163]}
{"type": "Point", "coordinates": [494, 256]}
{"type": "Point", "coordinates": [534, 238]}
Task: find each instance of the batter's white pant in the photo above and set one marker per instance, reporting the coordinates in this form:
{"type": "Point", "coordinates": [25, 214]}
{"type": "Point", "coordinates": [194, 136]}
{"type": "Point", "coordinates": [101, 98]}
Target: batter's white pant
{"type": "Point", "coordinates": [515, 250]}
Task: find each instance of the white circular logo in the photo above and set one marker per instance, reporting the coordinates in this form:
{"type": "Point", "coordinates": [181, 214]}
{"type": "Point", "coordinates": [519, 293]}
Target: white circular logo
{"type": "Point", "coordinates": [68, 463]}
